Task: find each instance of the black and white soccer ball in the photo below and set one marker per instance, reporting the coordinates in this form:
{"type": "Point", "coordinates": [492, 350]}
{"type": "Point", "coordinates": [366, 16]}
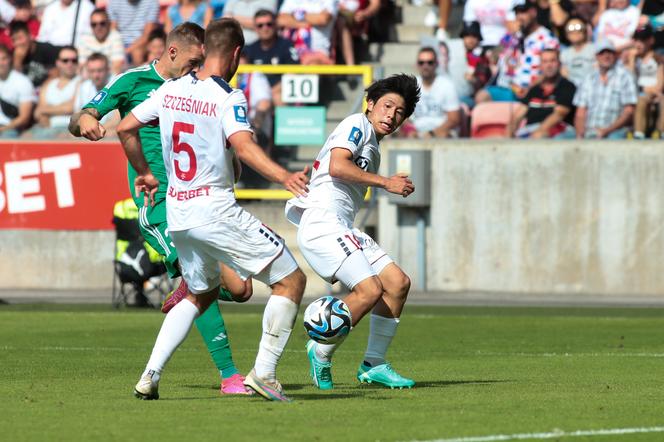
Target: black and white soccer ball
{"type": "Point", "coordinates": [327, 320]}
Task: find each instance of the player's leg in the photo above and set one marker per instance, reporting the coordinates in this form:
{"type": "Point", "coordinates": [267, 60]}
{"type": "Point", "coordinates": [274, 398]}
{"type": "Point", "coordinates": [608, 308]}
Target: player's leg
{"type": "Point", "coordinates": [287, 282]}
{"type": "Point", "coordinates": [210, 324]}
{"type": "Point", "coordinates": [233, 288]}
{"type": "Point", "coordinates": [202, 273]}
{"type": "Point", "coordinates": [357, 274]}
{"type": "Point", "coordinates": [332, 251]}
{"type": "Point", "coordinates": [385, 317]}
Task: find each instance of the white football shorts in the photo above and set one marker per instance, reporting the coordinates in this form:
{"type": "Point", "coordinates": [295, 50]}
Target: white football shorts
{"type": "Point", "coordinates": [239, 240]}
{"type": "Point", "coordinates": [330, 245]}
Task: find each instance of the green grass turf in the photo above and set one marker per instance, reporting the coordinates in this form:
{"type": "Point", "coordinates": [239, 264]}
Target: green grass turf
{"type": "Point", "coordinates": [67, 373]}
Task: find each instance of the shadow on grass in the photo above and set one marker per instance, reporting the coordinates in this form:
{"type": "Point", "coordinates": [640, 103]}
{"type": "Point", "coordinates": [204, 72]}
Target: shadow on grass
{"type": "Point", "coordinates": [325, 396]}
{"type": "Point", "coordinates": [441, 383]}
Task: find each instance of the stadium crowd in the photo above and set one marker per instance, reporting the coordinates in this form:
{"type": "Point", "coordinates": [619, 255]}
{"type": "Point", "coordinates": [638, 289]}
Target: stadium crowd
{"type": "Point", "coordinates": [564, 68]}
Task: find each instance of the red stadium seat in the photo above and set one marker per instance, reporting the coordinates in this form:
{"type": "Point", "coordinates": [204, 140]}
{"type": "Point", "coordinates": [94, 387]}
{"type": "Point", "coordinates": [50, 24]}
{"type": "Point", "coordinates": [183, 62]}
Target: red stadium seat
{"type": "Point", "coordinates": [489, 120]}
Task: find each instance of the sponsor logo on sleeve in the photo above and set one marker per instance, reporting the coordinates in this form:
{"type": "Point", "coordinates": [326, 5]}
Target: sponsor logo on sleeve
{"type": "Point", "coordinates": [240, 114]}
{"type": "Point", "coordinates": [99, 97]}
{"type": "Point", "coordinates": [355, 136]}
{"type": "Point", "coordinates": [362, 163]}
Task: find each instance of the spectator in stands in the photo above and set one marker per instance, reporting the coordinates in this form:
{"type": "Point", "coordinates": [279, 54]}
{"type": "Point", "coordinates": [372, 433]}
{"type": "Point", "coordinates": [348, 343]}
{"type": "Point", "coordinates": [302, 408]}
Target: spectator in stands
{"type": "Point", "coordinates": [552, 14]}
{"type": "Point", "coordinates": [270, 49]}
{"type": "Point", "coordinates": [17, 97]}
{"type": "Point", "coordinates": [22, 11]}
{"type": "Point", "coordinates": [649, 75]}
{"type": "Point", "coordinates": [244, 12]}
{"type": "Point", "coordinates": [578, 59]}
{"type": "Point", "coordinates": [606, 99]}
{"type": "Point", "coordinates": [195, 11]}
{"type": "Point", "coordinates": [65, 22]}
{"type": "Point", "coordinates": [496, 18]}
{"type": "Point", "coordinates": [309, 24]}
{"type": "Point", "coordinates": [519, 63]}
{"type": "Point", "coordinates": [653, 11]}
{"type": "Point", "coordinates": [478, 72]}
{"type": "Point", "coordinates": [104, 40]}
{"type": "Point", "coordinates": [352, 23]}
{"type": "Point", "coordinates": [56, 97]}
{"type": "Point", "coordinates": [437, 113]}
{"type": "Point", "coordinates": [33, 58]}
{"type": "Point", "coordinates": [98, 74]}
{"type": "Point", "coordinates": [618, 23]}
{"type": "Point", "coordinates": [156, 44]}
{"type": "Point", "coordinates": [134, 19]}
{"type": "Point", "coordinates": [258, 92]}
{"type": "Point", "coordinates": [547, 107]}
{"type": "Point", "coordinates": [590, 10]}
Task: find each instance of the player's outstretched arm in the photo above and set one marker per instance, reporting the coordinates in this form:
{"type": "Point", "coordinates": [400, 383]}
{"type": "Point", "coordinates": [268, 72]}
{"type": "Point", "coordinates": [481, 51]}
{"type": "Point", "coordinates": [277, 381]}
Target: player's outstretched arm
{"type": "Point", "coordinates": [250, 153]}
{"type": "Point", "coordinates": [342, 167]}
{"type": "Point", "coordinates": [85, 123]}
{"type": "Point", "coordinates": [131, 142]}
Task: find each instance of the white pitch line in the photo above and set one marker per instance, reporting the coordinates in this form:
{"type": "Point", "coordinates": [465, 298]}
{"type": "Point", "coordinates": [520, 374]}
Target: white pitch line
{"type": "Point", "coordinates": [553, 434]}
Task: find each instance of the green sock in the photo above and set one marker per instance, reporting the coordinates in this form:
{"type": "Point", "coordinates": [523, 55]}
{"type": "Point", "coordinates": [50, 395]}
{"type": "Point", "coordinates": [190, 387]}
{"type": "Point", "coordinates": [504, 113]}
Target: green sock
{"type": "Point", "coordinates": [225, 295]}
{"type": "Point", "coordinates": [211, 326]}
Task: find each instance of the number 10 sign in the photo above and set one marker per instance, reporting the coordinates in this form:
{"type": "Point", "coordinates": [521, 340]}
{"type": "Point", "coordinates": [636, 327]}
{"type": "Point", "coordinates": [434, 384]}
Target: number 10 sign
{"type": "Point", "coordinates": [299, 88]}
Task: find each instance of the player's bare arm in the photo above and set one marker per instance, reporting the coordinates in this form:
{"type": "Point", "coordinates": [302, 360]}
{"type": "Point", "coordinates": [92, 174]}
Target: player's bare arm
{"type": "Point", "coordinates": [131, 142]}
{"type": "Point", "coordinates": [85, 123]}
{"type": "Point", "coordinates": [343, 168]}
{"type": "Point", "coordinates": [250, 153]}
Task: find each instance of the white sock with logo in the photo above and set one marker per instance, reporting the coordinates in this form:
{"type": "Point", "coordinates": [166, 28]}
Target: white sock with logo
{"type": "Point", "coordinates": [173, 332]}
{"type": "Point", "coordinates": [380, 336]}
{"type": "Point", "coordinates": [278, 319]}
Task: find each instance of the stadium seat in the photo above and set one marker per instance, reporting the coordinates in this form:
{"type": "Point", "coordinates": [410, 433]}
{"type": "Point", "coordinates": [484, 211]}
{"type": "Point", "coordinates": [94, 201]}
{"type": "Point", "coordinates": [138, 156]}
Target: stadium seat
{"type": "Point", "coordinates": [489, 120]}
{"type": "Point", "coordinates": [138, 268]}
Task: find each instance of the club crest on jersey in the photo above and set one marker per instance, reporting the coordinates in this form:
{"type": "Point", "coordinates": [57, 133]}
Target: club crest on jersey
{"type": "Point", "coordinates": [240, 114]}
{"type": "Point", "coordinates": [99, 97]}
{"type": "Point", "coordinates": [362, 163]}
{"type": "Point", "coordinates": [355, 136]}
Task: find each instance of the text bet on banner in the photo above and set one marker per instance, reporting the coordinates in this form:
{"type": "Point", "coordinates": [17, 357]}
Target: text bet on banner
{"type": "Point", "coordinates": [61, 186]}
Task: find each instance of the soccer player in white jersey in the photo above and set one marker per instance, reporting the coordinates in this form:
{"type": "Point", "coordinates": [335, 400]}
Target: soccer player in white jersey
{"type": "Point", "coordinates": [200, 118]}
{"type": "Point", "coordinates": [344, 168]}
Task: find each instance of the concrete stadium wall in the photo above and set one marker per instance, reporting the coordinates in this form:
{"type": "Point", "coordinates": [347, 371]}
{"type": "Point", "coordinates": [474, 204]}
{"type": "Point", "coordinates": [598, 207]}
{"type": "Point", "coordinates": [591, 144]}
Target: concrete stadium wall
{"type": "Point", "coordinates": [537, 217]}
{"type": "Point", "coordinates": [506, 216]}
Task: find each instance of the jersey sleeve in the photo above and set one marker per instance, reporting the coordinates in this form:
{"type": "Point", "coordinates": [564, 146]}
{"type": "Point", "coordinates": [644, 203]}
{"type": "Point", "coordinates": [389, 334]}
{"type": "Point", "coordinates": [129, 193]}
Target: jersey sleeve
{"type": "Point", "coordinates": [112, 96]}
{"type": "Point", "coordinates": [351, 134]}
{"type": "Point", "coordinates": [234, 114]}
{"type": "Point", "coordinates": [148, 110]}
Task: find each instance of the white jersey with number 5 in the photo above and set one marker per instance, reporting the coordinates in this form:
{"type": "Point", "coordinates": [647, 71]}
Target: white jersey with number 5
{"type": "Point", "coordinates": [196, 117]}
{"type": "Point", "coordinates": [356, 134]}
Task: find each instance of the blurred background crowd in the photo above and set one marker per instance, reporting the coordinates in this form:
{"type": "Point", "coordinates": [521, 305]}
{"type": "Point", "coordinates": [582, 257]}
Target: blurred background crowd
{"type": "Point", "coordinates": [530, 68]}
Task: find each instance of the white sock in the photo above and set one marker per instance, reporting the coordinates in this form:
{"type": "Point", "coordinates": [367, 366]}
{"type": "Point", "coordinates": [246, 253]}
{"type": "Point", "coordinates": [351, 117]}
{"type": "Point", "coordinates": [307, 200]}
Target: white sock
{"type": "Point", "coordinates": [173, 331]}
{"type": "Point", "coordinates": [278, 320]}
{"type": "Point", "coordinates": [380, 336]}
{"type": "Point", "coordinates": [324, 352]}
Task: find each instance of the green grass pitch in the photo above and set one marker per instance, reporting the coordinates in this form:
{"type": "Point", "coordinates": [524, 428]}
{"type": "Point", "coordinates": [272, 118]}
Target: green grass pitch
{"type": "Point", "coordinates": [67, 373]}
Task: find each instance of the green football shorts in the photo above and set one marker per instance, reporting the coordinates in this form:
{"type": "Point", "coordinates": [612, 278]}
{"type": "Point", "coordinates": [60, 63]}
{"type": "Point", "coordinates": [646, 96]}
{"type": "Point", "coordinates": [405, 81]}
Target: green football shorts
{"type": "Point", "coordinates": [152, 221]}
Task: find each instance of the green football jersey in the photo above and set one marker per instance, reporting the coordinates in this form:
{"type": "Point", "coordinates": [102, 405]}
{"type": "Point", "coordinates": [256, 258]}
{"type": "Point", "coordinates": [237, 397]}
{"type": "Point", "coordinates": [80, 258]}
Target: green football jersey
{"type": "Point", "coordinates": [125, 92]}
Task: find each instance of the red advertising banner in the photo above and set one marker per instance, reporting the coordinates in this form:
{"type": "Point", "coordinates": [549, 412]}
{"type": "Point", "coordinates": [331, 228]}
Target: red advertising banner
{"type": "Point", "coordinates": [61, 185]}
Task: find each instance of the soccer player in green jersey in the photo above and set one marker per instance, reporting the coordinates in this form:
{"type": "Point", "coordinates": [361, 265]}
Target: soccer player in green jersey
{"type": "Point", "coordinates": [183, 53]}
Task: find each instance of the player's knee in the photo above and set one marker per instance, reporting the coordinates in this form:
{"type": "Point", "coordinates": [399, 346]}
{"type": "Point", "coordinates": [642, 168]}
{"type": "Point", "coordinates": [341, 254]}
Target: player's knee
{"type": "Point", "coordinates": [292, 286]}
{"type": "Point", "coordinates": [403, 285]}
{"type": "Point", "coordinates": [370, 290]}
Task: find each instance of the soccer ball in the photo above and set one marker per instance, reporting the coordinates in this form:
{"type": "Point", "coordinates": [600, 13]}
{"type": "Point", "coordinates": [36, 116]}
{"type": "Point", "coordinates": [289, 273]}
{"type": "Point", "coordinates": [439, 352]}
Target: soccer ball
{"type": "Point", "coordinates": [327, 320]}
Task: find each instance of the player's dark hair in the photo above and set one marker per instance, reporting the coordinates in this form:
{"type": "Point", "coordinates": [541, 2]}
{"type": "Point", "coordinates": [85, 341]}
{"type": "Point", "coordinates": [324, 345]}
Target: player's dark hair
{"type": "Point", "coordinates": [18, 26]}
{"type": "Point", "coordinates": [428, 49]}
{"type": "Point", "coordinates": [223, 36]}
{"type": "Point", "coordinates": [187, 33]}
{"type": "Point", "coordinates": [5, 50]}
{"type": "Point", "coordinates": [400, 84]}
{"type": "Point", "coordinates": [97, 56]}
{"type": "Point", "coordinates": [264, 13]}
